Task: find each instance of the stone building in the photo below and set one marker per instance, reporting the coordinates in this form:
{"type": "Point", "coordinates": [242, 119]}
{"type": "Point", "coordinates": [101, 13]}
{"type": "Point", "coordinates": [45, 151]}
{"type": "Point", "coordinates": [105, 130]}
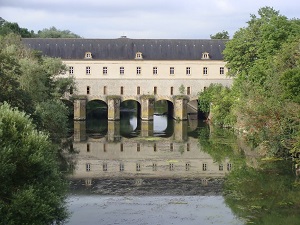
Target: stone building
{"type": "Point", "coordinates": [131, 68]}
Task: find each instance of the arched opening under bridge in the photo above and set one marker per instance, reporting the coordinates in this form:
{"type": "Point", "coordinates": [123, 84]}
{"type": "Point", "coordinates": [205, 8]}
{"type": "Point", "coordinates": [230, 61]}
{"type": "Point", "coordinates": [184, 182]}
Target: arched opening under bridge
{"type": "Point", "coordinates": [96, 115]}
{"type": "Point", "coordinates": [130, 113]}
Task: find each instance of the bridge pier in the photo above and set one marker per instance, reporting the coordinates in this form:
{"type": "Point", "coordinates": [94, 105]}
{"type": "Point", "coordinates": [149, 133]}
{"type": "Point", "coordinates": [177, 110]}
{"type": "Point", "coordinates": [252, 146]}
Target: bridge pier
{"type": "Point", "coordinates": [80, 109]}
{"type": "Point", "coordinates": [113, 131]}
{"type": "Point", "coordinates": [147, 129]}
{"type": "Point", "coordinates": [79, 131]}
{"type": "Point", "coordinates": [113, 107]}
{"type": "Point", "coordinates": [180, 131]}
{"type": "Point", "coordinates": [147, 107]}
{"type": "Point", "coordinates": [180, 108]}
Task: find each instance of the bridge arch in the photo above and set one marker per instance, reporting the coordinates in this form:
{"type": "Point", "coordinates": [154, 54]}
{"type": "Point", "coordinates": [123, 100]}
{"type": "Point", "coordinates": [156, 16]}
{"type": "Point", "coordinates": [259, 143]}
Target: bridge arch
{"type": "Point", "coordinates": [96, 108]}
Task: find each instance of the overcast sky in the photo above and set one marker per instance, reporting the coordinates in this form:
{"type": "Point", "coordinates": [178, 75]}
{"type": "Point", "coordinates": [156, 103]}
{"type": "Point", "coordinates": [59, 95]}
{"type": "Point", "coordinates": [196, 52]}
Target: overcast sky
{"type": "Point", "coordinates": [191, 19]}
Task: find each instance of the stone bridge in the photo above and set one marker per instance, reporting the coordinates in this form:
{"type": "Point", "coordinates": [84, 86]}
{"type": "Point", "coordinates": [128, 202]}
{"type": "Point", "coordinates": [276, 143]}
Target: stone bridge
{"type": "Point", "coordinates": [177, 105]}
{"type": "Point", "coordinates": [143, 70]}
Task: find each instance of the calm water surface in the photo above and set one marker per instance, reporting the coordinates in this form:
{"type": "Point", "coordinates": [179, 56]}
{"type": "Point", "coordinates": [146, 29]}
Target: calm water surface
{"type": "Point", "coordinates": [168, 172]}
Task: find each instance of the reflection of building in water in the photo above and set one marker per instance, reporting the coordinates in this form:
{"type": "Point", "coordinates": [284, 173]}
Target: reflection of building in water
{"type": "Point", "coordinates": [178, 156]}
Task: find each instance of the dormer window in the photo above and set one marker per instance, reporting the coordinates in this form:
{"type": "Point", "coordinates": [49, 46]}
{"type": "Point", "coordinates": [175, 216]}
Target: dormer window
{"type": "Point", "coordinates": [138, 55]}
{"type": "Point", "coordinates": [205, 55]}
{"type": "Point", "coordinates": [88, 55]}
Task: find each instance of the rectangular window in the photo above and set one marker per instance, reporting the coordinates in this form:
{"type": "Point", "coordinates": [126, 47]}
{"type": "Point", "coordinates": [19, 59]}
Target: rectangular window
{"type": "Point", "coordinates": [71, 70]}
{"type": "Point", "coordinates": [155, 90]}
{"type": "Point", "coordinates": [171, 147]}
{"type": "Point", "coordinates": [88, 182]}
{"type": "Point", "coordinates": [88, 90]}
{"type": "Point", "coordinates": [138, 147]}
{"type": "Point", "coordinates": [172, 70]}
{"type": "Point", "coordinates": [138, 70]}
{"type": "Point", "coordinates": [171, 91]}
{"type": "Point", "coordinates": [88, 70]}
{"type": "Point", "coordinates": [221, 70]}
{"type": "Point", "coordinates": [154, 166]}
{"type": "Point", "coordinates": [221, 167]}
{"type": "Point", "coordinates": [154, 147]}
{"type": "Point", "coordinates": [188, 90]}
{"type": "Point", "coordinates": [188, 71]}
{"type": "Point", "coordinates": [121, 167]}
{"type": "Point", "coordinates": [187, 166]}
{"type": "Point", "coordinates": [155, 70]}
{"type": "Point", "coordinates": [122, 90]}
{"type": "Point", "coordinates": [204, 166]}
{"type": "Point", "coordinates": [122, 70]}
{"type": "Point", "coordinates": [229, 166]}
{"type": "Point", "coordinates": [188, 147]}
{"type": "Point", "coordinates": [138, 90]}
{"type": "Point", "coordinates": [104, 166]}
{"type": "Point", "coordinates": [204, 182]}
{"type": "Point", "coordinates": [138, 167]}
{"type": "Point", "coordinates": [88, 148]}
{"type": "Point", "coordinates": [104, 90]}
{"type": "Point", "coordinates": [104, 147]}
{"type": "Point", "coordinates": [88, 167]}
{"type": "Point", "coordinates": [105, 70]}
{"type": "Point", "coordinates": [205, 70]}
{"type": "Point", "coordinates": [121, 147]}
{"type": "Point", "coordinates": [171, 166]}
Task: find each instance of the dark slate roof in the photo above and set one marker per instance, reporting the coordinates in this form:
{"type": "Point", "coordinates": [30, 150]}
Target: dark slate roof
{"type": "Point", "coordinates": [125, 48]}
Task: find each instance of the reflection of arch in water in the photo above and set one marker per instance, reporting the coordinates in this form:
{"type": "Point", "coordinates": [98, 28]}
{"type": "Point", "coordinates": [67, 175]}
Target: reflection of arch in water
{"type": "Point", "coordinates": [96, 123]}
{"type": "Point", "coordinates": [130, 111]}
{"type": "Point", "coordinates": [200, 125]}
{"type": "Point", "coordinates": [193, 114]}
{"type": "Point", "coordinates": [163, 118]}
{"type": "Point", "coordinates": [193, 109]}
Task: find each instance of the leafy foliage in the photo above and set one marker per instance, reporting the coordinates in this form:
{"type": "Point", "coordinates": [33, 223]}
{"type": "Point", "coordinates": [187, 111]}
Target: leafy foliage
{"type": "Point", "coordinates": [264, 100]}
{"type": "Point", "coordinates": [220, 35]}
{"type": "Point", "coordinates": [268, 195]}
{"type": "Point", "coordinates": [29, 159]}
{"type": "Point", "coordinates": [8, 28]}
{"type": "Point", "coordinates": [218, 101]}
{"type": "Point", "coordinates": [219, 143]}
{"type": "Point", "coordinates": [53, 32]}
{"type": "Point", "coordinates": [30, 179]}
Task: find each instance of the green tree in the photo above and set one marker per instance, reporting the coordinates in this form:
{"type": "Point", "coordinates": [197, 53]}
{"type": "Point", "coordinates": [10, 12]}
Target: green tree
{"type": "Point", "coordinates": [8, 27]}
{"type": "Point", "coordinates": [182, 89]}
{"type": "Point", "coordinates": [265, 195]}
{"type": "Point", "coordinates": [218, 101]}
{"type": "Point", "coordinates": [53, 32]}
{"type": "Point", "coordinates": [32, 190]}
{"type": "Point", "coordinates": [10, 91]}
{"type": "Point", "coordinates": [264, 60]}
{"type": "Point", "coordinates": [262, 38]}
{"type": "Point", "coordinates": [220, 35]}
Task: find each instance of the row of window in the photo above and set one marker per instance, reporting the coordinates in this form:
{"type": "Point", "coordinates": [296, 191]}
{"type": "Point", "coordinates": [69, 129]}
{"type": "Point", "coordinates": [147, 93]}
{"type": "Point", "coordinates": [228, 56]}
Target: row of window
{"type": "Point", "coordinates": [154, 167]}
{"type": "Point", "coordinates": [138, 147]}
{"type": "Point", "coordinates": [139, 70]}
{"type": "Point", "coordinates": [138, 90]}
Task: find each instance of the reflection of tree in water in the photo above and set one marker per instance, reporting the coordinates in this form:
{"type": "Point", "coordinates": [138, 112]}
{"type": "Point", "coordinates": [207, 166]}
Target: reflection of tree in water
{"type": "Point", "coordinates": [266, 195]}
{"type": "Point", "coordinates": [219, 143]}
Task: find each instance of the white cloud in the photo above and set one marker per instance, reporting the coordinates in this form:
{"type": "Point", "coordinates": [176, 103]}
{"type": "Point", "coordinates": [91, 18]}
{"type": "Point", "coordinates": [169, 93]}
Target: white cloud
{"type": "Point", "coordinates": [139, 19]}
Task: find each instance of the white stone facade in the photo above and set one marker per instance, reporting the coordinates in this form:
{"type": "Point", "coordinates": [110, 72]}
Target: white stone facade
{"type": "Point", "coordinates": [96, 79]}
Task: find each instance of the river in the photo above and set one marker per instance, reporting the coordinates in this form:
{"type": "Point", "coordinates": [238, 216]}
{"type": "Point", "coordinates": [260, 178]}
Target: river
{"type": "Point", "coordinates": [168, 172]}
